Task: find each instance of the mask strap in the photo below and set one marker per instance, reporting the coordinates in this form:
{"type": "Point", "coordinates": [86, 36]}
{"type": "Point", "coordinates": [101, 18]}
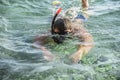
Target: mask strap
{"type": "Point", "coordinates": [56, 14]}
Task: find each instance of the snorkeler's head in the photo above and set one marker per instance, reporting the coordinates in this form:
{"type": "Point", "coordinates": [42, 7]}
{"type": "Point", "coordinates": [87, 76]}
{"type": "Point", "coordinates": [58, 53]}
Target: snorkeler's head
{"type": "Point", "coordinates": [60, 28]}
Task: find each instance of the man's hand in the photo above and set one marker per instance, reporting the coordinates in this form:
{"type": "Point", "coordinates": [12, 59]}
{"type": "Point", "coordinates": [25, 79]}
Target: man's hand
{"type": "Point", "coordinates": [48, 56]}
{"type": "Point", "coordinates": [76, 57]}
{"type": "Point", "coordinates": [46, 53]}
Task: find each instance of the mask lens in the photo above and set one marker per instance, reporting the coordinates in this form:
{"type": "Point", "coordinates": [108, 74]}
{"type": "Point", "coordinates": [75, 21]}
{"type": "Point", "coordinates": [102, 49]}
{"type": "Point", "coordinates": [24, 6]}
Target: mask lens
{"type": "Point", "coordinates": [59, 38]}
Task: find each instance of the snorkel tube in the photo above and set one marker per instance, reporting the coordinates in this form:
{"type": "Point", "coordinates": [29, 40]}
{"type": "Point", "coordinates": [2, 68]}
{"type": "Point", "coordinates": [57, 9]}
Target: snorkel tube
{"type": "Point", "coordinates": [56, 14]}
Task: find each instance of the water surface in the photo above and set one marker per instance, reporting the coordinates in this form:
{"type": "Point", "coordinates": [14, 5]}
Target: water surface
{"type": "Point", "coordinates": [22, 20]}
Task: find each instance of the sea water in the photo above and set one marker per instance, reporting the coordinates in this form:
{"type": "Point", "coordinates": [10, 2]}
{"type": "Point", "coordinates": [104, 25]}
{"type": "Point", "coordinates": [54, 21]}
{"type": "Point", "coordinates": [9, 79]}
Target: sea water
{"type": "Point", "coordinates": [22, 20]}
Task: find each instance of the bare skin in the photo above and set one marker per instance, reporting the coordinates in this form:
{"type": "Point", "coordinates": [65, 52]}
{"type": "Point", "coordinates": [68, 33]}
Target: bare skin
{"type": "Point", "coordinates": [85, 4]}
{"type": "Point", "coordinates": [86, 39]}
{"type": "Point", "coordinates": [79, 32]}
{"type": "Point", "coordinates": [39, 43]}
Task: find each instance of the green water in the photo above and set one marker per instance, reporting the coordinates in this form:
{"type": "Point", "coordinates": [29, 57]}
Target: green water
{"type": "Point", "coordinates": [22, 20]}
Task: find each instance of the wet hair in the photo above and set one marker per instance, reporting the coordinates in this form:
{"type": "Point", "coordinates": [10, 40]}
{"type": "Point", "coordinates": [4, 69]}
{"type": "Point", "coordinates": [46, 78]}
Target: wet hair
{"type": "Point", "coordinates": [62, 25]}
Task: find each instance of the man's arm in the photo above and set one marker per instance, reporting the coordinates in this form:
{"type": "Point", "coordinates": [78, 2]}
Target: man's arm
{"type": "Point", "coordinates": [85, 4]}
{"type": "Point", "coordinates": [39, 43]}
{"type": "Point", "coordinates": [84, 47]}
{"type": "Point", "coordinates": [85, 37]}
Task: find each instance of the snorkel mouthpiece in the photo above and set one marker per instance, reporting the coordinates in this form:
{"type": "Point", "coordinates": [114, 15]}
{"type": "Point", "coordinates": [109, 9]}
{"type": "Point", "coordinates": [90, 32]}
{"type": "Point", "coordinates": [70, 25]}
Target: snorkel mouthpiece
{"type": "Point", "coordinates": [58, 39]}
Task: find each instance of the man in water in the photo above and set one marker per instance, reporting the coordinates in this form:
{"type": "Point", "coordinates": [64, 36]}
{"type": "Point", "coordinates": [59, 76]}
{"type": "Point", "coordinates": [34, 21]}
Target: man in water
{"type": "Point", "coordinates": [64, 26]}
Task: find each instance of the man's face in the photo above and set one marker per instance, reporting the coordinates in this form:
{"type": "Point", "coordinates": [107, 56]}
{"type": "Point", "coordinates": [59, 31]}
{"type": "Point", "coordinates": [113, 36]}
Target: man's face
{"type": "Point", "coordinates": [56, 31]}
{"type": "Point", "coordinates": [58, 37]}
